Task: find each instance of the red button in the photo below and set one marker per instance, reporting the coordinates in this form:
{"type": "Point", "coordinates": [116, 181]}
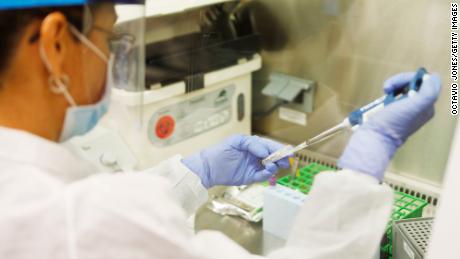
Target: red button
{"type": "Point", "coordinates": [165, 127]}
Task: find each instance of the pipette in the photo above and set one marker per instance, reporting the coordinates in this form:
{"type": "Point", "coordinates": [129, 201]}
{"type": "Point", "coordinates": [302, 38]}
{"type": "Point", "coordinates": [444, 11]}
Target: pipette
{"type": "Point", "coordinates": [355, 118]}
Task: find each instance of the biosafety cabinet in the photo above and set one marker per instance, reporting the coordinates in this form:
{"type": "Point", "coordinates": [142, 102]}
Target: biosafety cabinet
{"type": "Point", "coordinates": [284, 69]}
{"type": "Point", "coordinates": [348, 49]}
{"type": "Point", "coordinates": [199, 60]}
{"type": "Point", "coordinates": [204, 80]}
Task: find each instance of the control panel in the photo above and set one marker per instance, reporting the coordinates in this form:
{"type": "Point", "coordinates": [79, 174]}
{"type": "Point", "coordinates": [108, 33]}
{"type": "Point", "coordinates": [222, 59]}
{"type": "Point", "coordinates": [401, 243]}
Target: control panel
{"type": "Point", "coordinates": [183, 120]}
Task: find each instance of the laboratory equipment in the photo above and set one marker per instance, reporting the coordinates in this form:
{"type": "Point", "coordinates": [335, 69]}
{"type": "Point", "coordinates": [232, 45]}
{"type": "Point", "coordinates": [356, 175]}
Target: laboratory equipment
{"type": "Point", "coordinates": [198, 88]}
{"type": "Point", "coordinates": [279, 199]}
{"type": "Point", "coordinates": [292, 92]}
{"type": "Point", "coordinates": [294, 168]}
{"type": "Point", "coordinates": [283, 201]}
{"type": "Point", "coordinates": [355, 118]}
{"type": "Point", "coordinates": [411, 238]}
{"type": "Point", "coordinates": [339, 44]}
{"type": "Point", "coordinates": [405, 207]}
{"type": "Point", "coordinates": [304, 181]}
{"type": "Point", "coordinates": [281, 206]}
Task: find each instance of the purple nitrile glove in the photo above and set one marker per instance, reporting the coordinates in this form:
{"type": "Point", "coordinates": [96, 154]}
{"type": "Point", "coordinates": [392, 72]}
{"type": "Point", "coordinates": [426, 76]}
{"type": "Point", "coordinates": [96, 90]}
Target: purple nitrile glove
{"type": "Point", "coordinates": [235, 161]}
{"type": "Point", "coordinates": [373, 145]}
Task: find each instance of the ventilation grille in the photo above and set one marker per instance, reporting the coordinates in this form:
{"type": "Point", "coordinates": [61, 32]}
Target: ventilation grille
{"type": "Point", "coordinates": [418, 232]}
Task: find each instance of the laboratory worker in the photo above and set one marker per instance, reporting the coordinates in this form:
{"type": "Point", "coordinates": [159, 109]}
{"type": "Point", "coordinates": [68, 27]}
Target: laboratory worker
{"type": "Point", "coordinates": [59, 59]}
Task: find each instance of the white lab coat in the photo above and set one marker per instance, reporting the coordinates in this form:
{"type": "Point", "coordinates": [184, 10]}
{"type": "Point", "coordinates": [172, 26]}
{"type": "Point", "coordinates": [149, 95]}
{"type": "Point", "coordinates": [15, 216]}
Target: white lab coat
{"type": "Point", "coordinates": [51, 207]}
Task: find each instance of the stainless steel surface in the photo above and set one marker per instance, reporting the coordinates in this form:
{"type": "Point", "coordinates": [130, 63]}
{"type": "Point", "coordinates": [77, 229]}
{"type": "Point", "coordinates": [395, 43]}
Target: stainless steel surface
{"type": "Point", "coordinates": [349, 48]}
{"type": "Point", "coordinates": [411, 238]}
{"type": "Point", "coordinates": [249, 235]}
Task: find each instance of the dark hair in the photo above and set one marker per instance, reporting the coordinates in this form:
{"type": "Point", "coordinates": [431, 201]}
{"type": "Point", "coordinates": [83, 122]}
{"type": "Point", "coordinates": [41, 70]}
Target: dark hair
{"type": "Point", "coordinates": [13, 23]}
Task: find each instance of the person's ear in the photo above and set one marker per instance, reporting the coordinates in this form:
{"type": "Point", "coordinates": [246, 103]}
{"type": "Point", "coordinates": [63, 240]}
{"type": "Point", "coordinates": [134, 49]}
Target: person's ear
{"type": "Point", "coordinates": [53, 38]}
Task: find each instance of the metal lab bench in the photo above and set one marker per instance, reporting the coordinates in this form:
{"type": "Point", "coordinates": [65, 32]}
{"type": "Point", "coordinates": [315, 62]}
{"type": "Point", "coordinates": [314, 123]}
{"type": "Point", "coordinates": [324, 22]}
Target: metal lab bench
{"type": "Point", "coordinates": [247, 234]}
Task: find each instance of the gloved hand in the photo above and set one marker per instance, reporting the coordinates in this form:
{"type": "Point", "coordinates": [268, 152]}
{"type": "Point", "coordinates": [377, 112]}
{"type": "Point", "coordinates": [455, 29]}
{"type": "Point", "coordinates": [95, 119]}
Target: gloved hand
{"type": "Point", "coordinates": [373, 145]}
{"type": "Point", "coordinates": [235, 161]}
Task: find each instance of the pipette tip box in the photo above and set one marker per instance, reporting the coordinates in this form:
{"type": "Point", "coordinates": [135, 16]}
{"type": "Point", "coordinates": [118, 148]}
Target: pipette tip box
{"type": "Point", "coordinates": [281, 205]}
{"type": "Point", "coordinates": [283, 201]}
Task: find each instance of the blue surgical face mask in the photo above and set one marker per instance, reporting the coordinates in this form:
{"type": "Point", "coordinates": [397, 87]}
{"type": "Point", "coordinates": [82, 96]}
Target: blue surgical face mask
{"type": "Point", "coordinates": [80, 119]}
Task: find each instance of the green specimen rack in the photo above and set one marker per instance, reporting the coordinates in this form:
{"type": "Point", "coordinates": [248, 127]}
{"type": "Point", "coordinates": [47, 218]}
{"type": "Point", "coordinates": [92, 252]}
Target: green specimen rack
{"type": "Point", "coordinates": [405, 206]}
{"type": "Point", "coordinates": [305, 177]}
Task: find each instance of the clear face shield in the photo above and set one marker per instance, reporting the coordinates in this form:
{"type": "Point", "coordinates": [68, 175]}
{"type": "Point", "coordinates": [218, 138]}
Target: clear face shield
{"type": "Point", "coordinates": [110, 36]}
{"type": "Point", "coordinates": [127, 46]}
{"type": "Point", "coordinates": [112, 31]}
{"type": "Point", "coordinates": [128, 72]}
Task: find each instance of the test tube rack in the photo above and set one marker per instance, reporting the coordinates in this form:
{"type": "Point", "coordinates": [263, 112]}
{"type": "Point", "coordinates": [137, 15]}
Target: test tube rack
{"type": "Point", "coordinates": [405, 206]}
{"type": "Point", "coordinates": [304, 179]}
